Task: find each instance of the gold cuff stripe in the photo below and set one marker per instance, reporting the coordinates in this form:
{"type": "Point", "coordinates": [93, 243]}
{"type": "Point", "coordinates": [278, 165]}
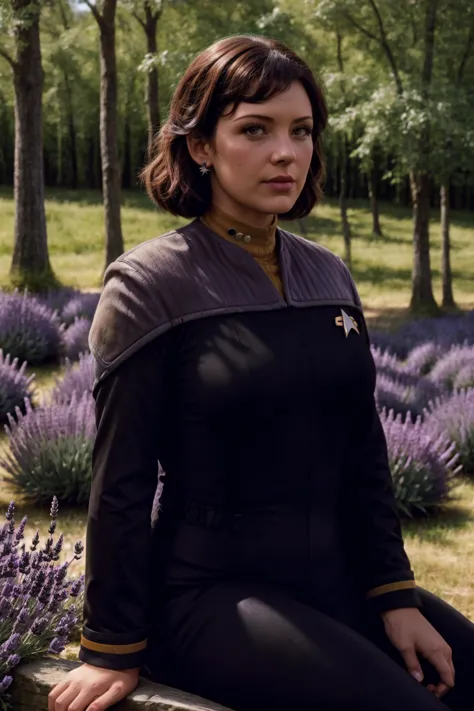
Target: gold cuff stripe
{"type": "Point", "coordinates": [392, 587]}
{"type": "Point", "coordinates": [113, 648]}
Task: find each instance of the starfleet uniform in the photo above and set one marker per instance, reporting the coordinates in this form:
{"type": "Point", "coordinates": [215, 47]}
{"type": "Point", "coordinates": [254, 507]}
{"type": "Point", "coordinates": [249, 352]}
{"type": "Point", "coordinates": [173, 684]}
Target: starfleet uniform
{"type": "Point", "coordinates": [248, 376]}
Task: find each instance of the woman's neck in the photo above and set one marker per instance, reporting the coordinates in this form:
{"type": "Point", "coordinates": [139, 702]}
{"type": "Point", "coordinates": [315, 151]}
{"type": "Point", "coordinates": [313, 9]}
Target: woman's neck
{"type": "Point", "coordinates": [251, 218]}
{"type": "Point", "coordinates": [260, 241]}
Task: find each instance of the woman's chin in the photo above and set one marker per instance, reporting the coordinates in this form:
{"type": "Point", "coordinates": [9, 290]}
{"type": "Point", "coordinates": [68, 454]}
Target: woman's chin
{"type": "Point", "coordinates": [278, 204]}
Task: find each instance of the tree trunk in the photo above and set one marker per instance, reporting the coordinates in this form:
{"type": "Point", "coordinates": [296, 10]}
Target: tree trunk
{"type": "Point", "coordinates": [374, 203]}
{"type": "Point", "coordinates": [108, 134]}
{"type": "Point", "coordinates": [72, 132]}
{"type": "Point", "coordinates": [30, 264]}
{"type": "Point", "coordinates": [447, 278]}
{"type": "Point", "coordinates": [346, 228]}
{"type": "Point", "coordinates": [422, 299]}
{"type": "Point", "coordinates": [153, 94]}
{"type": "Point", "coordinates": [59, 143]}
{"type": "Point", "coordinates": [127, 158]}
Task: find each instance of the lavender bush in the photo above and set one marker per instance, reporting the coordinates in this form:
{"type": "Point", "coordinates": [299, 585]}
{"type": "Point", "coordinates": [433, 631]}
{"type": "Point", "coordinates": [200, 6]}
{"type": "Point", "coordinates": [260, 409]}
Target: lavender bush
{"type": "Point", "coordinates": [71, 304]}
{"type": "Point", "coordinates": [447, 369]}
{"type": "Point", "coordinates": [29, 330]}
{"type": "Point", "coordinates": [454, 416]}
{"type": "Point", "coordinates": [15, 385]}
{"type": "Point", "coordinates": [400, 386]}
{"type": "Point", "coordinates": [50, 450]}
{"type": "Point", "coordinates": [423, 463]}
{"type": "Point", "coordinates": [423, 358]}
{"type": "Point", "coordinates": [82, 305]}
{"type": "Point", "coordinates": [76, 338]}
{"type": "Point", "coordinates": [445, 331]}
{"type": "Point", "coordinates": [39, 604]}
{"type": "Point", "coordinates": [403, 395]}
{"type": "Point", "coordinates": [465, 377]}
{"type": "Point", "coordinates": [77, 379]}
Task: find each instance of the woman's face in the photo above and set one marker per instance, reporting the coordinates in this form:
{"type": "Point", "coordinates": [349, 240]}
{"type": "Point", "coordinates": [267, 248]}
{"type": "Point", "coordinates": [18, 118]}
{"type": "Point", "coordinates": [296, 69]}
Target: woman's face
{"type": "Point", "coordinates": [255, 149]}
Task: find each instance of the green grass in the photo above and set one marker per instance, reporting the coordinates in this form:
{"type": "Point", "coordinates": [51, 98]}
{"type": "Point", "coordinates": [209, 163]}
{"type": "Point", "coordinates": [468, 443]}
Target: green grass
{"type": "Point", "coordinates": [382, 268]}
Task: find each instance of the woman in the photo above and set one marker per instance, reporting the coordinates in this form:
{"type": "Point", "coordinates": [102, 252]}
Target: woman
{"type": "Point", "coordinates": [237, 355]}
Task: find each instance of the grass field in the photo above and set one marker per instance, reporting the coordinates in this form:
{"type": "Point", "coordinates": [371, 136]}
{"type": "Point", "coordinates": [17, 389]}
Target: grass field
{"type": "Point", "coordinates": [441, 548]}
{"type": "Point", "coordinates": [382, 268]}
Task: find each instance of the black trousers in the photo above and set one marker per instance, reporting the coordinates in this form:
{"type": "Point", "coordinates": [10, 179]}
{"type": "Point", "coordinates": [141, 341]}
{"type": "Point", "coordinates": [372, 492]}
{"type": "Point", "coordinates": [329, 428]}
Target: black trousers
{"type": "Point", "coordinates": [254, 648]}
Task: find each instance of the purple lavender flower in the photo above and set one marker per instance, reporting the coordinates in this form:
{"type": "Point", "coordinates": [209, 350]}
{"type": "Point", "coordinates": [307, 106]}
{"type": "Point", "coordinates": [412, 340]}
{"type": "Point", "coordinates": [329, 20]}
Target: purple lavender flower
{"type": "Point", "coordinates": [77, 587]}
{"type": "Point", "coordinates": [77, 379]}
{"type": "Point", "coordinates": [83, 305]}
{"type": "Point", "coordinates": [444, 331]}
{"type": "Point", "coordinates": [465, 377]}
{"type": "Point", "coordinates": [54, 507]}
{"type": "Point", "coordinates": [449, 365]}
{"type": "Point", "coordinates": [454, 416]}
{"type": "Point", "coordinates": [423, 358]}
{"type": "Point", "coordinates": [57, 645]}
{"type": "Point", "coordinates": [39, 625]}
{"type": "Point", "coordinates": [423, 463]}
{"type": "Point", "coordinates": [10, 511]}
{"type": "Point", "coordinates": [29, 330]}
{"type": "Point", "coordinates": [20, 533]}
{"type": "Point", "coordinates": [35, 541]}
{"type": "Point", "coordinates": [12, 644]}
{"type": "Point", "coordinates": [5, 684]}
{"type": "Point", "coordinates": [12, 661]}
{"type": "Point", "coordinates": [15, 385]}
{"type": "Point", "coordinates": [76, 338]}
{"type": "Point", "coordinates": [51, 451]}
{"type": "Point", "coordinates": [57, 299]}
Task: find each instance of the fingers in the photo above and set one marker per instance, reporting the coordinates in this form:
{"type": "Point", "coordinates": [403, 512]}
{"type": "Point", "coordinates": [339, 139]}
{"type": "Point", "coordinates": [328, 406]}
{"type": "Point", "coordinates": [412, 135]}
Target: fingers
{"type": "Point", "coordinates": [412, 663]}
{"type": "Point", "coordinates": [68, 700]}
{"type": "Point", "coordinates": [112, 696]}
{"type": "Point", "coordinates": [442, 661]}
{"type": "Point", "coordinates": [55, 693]}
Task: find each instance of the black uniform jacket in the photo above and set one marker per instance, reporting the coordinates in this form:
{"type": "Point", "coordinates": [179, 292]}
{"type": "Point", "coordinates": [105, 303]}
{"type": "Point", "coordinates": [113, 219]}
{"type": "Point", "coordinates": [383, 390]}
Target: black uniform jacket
{"type": "Point", "coordinates": [260, 409]}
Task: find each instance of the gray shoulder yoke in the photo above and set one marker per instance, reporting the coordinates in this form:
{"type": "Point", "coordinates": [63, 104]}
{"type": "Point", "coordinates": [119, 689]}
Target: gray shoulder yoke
{"type": "Point", "coordinates": [192, 273]}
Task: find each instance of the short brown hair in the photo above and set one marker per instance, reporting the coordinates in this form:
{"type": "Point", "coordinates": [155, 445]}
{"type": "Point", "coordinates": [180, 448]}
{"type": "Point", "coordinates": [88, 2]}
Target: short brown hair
{"type": "Point", "coordinates": [230, 71]}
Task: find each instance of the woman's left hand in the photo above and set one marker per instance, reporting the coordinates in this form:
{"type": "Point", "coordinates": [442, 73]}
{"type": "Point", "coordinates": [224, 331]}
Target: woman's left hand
{"type": "Point", "coordinates": [410, 633]}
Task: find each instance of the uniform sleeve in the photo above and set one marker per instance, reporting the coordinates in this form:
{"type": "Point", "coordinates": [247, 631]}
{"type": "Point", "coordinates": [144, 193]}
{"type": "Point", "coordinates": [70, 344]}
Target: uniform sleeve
{"type": "Point", "coordinates": [129, 406]}
{"type": "Point", "coordinates": [375, 529]}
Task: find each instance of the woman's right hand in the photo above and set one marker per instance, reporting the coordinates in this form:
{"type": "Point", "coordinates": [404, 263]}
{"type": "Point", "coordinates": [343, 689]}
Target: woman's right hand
{"type": "Point", "coordinates": [89, 688]}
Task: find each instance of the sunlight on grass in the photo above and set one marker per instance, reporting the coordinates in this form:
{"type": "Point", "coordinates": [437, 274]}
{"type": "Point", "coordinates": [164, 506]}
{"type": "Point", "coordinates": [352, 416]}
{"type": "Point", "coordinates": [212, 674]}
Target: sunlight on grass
{"type": "Point", "coordinates": [382, 268]}
{"type": "Point", "coordinates": [441, 550]}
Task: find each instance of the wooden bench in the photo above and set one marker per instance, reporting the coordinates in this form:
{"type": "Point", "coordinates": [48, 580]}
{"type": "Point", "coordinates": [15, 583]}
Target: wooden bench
{"type": "Point", "coordinates": [33, 682]}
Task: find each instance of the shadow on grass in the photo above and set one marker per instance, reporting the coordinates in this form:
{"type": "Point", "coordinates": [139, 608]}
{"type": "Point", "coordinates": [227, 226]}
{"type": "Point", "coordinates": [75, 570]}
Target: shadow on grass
{"type": "Point", "coordinates": [381, 273]}
{"type": "Point", "coordinates": [439, 527]}
{"type": "Point", "coordinates": [129, 198]}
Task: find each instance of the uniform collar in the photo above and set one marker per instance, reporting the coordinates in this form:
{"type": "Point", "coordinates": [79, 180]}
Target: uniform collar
{"type": "Point", "coordinates": [259, 241]}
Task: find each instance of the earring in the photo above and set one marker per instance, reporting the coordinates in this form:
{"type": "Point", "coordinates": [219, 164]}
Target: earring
{"type": "Point", "coordinates": [204, 169]}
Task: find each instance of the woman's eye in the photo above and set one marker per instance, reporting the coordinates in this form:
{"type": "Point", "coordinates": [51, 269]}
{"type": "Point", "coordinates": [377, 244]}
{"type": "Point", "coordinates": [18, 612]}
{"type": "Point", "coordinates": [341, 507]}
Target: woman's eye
{"type": "Point", "coordinates": [303, 131]}
{"type": "Point", "coordinates": [253, 129]}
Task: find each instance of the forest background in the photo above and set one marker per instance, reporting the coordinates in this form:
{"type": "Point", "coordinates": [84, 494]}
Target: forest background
{"type": "Point", "coordinates": [398, 76]}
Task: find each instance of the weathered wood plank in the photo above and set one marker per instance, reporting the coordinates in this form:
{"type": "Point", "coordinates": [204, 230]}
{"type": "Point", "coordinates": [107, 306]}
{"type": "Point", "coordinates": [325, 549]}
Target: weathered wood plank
{"type": "Point", "coordinates": [33, 682]}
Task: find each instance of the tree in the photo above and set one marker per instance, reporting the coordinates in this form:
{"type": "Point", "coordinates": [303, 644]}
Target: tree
{"type": "Point", "coordinates": [147, 13]}
{"type": "Point", "coordinates": [30, 265]}
{"type": "Point", "coordinates": [104, 12]}
{"type": "Point", "coordinates": [400, 34]}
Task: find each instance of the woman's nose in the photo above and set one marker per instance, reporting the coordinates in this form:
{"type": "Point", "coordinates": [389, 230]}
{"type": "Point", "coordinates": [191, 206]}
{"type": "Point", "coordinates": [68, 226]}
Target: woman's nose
{"type": "Point", "coordinates": [283, 152]}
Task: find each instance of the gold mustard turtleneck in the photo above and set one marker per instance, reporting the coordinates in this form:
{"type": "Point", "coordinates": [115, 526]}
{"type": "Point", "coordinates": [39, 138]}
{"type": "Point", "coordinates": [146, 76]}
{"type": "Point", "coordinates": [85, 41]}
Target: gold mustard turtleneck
{"type": "Point", "coordinates": [261, 245]}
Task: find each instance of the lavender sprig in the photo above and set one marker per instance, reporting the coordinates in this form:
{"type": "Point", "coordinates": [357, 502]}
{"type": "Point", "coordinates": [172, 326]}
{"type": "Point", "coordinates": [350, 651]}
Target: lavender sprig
{"type": "Point", "coordinates": [39, 604]}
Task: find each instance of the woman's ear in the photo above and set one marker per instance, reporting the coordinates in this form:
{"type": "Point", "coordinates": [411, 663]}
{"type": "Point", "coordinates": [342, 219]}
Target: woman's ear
{"type": "Point", "coordinates": [199, 150]}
